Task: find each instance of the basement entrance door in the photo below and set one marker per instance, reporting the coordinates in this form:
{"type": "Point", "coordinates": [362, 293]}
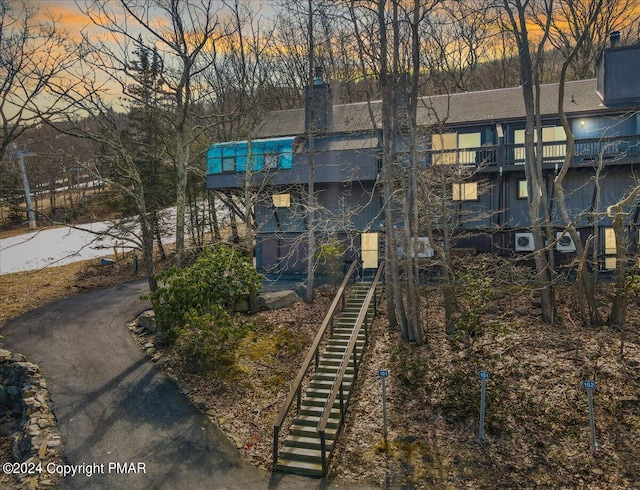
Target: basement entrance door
{"type": "Point", "coordinates": [369, 250]}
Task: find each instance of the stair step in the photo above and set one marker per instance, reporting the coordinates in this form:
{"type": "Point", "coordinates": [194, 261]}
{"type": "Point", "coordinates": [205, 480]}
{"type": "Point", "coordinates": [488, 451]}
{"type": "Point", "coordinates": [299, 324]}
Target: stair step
{"type": "Point", "coordinates": [333, 365]}
{"type": "Point", "coordinates": [307, 442]}
{"type": "Point", "coordinates": [342, 342]}
{"type": "Point", "coordinates": [336, 360]}
{"type": "Point", "coordinates": [323, 392]}
{"type": "Point", "coordinates": [313, 411]}
{"type": "Point", "coordinates": [318, 401]}
{"type": "Point", "coordinates": [312, 421]}
{"type": "Point", "coordinates": [301, 454]}
{"type": "Point", "coordinates": [311, 432]}
{"type": "Point", "coordinates": [341, 345]}
{"type": "Point", "coordinates": [327, 384]}
{"type": "Point", "coordinates": [331, 377]}
{"type": "Point", "coordinates": [331, 355]}
{"type": "Point", "coordinates": [347, 335]}
{"type": "Point", "coordinates": [333, 370]}
{"type": "Point", "coordinates": [299, 467]}
{"type": "Point", "coordinates": [331, 374]}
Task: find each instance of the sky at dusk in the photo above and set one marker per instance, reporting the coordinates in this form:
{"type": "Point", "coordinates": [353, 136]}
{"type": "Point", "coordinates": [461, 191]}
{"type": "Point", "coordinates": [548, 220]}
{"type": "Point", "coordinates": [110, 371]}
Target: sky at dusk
{"type": "Point", "coordinates": [73, 20]}
{"type": "Point", "coordinates": [68, 13]}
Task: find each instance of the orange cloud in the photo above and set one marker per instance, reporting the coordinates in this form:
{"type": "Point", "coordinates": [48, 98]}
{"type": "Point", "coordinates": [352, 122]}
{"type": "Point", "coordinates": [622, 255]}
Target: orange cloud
{"type": "Point", "coordinates": [66, 14]}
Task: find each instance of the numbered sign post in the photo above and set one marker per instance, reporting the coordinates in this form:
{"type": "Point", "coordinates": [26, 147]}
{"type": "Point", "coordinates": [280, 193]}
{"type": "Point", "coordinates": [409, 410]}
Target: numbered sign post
{"type": "Point", "coordinates": [590, 386]}
{"type": "Point", "coordinates": [384, 374]}
{"type": "Point", "coordinates": [484, 376]}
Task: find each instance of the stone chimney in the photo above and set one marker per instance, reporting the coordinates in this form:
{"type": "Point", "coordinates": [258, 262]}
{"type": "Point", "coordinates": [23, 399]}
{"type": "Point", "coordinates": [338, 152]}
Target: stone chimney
{"type": "Point", "coordinates": [317, 114]}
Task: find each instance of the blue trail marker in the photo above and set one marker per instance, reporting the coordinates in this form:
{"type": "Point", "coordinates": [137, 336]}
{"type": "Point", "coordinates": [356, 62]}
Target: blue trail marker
{"type": "Point", "coordinates": [384, 374]}
{"type": "Point", "coordinates": [590, 386]}
{"type": "Point", "coordinates": [484, 376]}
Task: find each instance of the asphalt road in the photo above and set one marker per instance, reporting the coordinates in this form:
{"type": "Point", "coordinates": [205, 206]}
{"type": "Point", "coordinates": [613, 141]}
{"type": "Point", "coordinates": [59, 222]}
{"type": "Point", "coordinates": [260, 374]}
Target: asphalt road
{"type": "Point", "coordinates": [113, 405]}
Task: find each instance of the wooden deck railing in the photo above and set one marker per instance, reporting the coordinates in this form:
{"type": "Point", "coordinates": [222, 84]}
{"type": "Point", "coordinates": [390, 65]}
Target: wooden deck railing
{"type": "Point", "coordinates": [314, 352]}
{"type": "Point", "coordinates": [612, 148]}
{"type": "Point", "coordinates": [337, 389]}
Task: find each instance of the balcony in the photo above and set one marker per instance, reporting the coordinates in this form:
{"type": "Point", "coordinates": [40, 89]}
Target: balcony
{"type": "Point", "coordinates": [587, 152]}
{"type": "Point", "coordinates": [483, 155]}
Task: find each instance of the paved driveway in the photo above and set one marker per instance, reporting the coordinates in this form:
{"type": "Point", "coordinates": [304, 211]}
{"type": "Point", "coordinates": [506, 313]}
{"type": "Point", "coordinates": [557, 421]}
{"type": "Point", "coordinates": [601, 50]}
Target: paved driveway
{"type": "Point", "coordinates": [115, 406]}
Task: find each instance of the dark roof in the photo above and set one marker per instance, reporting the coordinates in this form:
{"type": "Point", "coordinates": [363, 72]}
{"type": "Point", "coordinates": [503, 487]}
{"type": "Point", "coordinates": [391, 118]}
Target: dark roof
{"type": "Point", "coordinates": [455, 109]}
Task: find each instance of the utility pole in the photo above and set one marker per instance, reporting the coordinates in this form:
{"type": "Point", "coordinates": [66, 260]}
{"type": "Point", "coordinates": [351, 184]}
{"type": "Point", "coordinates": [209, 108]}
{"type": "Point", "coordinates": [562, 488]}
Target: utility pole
{"type": "Point", "coordinates": [25, 184]}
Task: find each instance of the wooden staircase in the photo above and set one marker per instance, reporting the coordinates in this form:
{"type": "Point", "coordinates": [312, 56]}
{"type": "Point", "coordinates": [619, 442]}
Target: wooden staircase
{"type": "Point", "coordinates": [302, 452]}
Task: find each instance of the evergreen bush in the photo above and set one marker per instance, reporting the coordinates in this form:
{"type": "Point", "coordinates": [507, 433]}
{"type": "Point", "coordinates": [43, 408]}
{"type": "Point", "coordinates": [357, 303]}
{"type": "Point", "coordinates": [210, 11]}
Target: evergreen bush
{"type": "Point", "coordinates": [218, 278]}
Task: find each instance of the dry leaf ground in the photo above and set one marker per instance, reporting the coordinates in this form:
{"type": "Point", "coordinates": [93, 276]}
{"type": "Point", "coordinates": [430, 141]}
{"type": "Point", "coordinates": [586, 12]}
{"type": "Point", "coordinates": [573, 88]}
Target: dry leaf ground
{"type": "Point", "coordinates": [537, 426]}
{"type": "Point", "coordinates": [537, 432]}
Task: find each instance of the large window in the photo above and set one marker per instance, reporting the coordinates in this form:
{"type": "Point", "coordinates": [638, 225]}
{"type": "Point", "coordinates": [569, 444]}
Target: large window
{"type": "Point", "coordinates": [468, 140]}
{"type": "Point", "coordinates": [465, 191]}
{"type": "Point", "coordinates": [553, 138]}
{"type": "Point", "coordinates": [449, 143]}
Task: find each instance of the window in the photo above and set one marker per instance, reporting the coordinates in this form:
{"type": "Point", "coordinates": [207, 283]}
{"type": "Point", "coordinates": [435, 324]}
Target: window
{"type": "Point", "coordinates": [466, 191]}
{"type": "Point", "coordinates": [523, 192]}
{"type": "Point", "coordinates": [468, 140]}
{"type": "Point", "coordinates": [281, 200]}
{"type": "Point", "coordinates": [442, 142]}
{"type": "Point", "coordinates": [446, 143]}
{"type": "Point", "coordinates": [550, 134]}
{"type": "Point", "coordinates": [271, 161]}
{"type": "Point", "coordinates": [228, 164]}
{"type": "Point", "coordinates": [610, 249]}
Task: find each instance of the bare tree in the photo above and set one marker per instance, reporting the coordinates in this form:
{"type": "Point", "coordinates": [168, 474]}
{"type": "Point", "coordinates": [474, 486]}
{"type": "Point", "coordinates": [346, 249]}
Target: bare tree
{"type": "Point", "coordinates": [581, 28]}
{"type": "Point", "coordinates": [577, 18]}
{"type": "Point", "coordinates": [33, 53]}
{"type": "Point", "coordinates": [518, 14]}
{"type": "Point", "coordinates": [619, 214]}
{"type": "Point", "coordinates": [182, 30]}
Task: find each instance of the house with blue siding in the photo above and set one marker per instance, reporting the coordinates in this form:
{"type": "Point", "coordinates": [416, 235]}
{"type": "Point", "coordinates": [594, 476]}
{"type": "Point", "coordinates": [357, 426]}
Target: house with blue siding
{"type": "Point", "coordinates": [482, 132]}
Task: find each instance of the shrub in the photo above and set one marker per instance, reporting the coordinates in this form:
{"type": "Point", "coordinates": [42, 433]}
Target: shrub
{"type": "Point", "coordinates": [220, 277]}
{"type": "Point", "coordinates": [208, 343]}
{"type": "Point", "coordinates": [475, 290]}
{"type": "Point", "coordinates": [330, 261]}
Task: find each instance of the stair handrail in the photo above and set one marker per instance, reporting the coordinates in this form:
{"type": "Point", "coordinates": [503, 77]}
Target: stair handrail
{"type": "Point", "coordinates": [337, 384]}
{"type": "Point", "coordinates": [313, 352]}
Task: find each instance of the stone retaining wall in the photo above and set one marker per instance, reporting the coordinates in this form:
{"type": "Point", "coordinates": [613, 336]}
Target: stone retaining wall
{"type": "Point", "coordinates": [37, 442]}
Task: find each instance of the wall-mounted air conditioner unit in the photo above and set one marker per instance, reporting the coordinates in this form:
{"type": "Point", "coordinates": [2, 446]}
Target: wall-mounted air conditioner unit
{"type": "Point", "coordinates": [524, 242]}
{"type": "Point", "coordinates": [564, 242]}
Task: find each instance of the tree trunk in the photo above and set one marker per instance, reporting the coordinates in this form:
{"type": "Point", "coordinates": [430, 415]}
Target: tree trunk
{"type": "Point", "coordinates": [619, 306]}
{"type": "Point", "coordinates": [533, 171]}
{"type": "Point", "coordinates": [399, 316]}
{"type": "Point", "coordinates": [182, 160]}
{"type": "Point", "coordinates": [590, 315]}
